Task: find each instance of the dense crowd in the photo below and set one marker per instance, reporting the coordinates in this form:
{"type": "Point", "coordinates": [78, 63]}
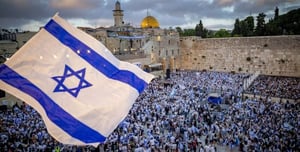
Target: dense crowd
{"type": "Point", "coordinates": [174, 115]}
{"type": "Point", "coordinates": [281, 87]}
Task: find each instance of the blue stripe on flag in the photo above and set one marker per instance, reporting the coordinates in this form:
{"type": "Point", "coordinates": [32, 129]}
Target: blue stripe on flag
{"type": "Point", "coordinates": [93, 58]}
{"type": "Point", "coordinates": [55, 113]}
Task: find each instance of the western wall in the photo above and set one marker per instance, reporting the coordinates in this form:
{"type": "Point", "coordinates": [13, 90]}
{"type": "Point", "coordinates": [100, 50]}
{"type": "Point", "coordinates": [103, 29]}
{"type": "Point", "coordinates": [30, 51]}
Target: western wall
{"type": "Point", "coordinates": [273, 55]}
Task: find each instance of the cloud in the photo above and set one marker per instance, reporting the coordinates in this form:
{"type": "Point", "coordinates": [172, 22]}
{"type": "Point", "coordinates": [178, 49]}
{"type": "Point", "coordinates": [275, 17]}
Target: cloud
{"type": "Point", "coordinates": [33, 24]}
{"type": "Point", "coordinates": [185, 13]}
{"type": "Point", "coordinates": [215, 24]}
{"type": "Point", "coordinates": [28, 9]}
{"type": "Point", "coordinates": [225, 2]}
{"type": "Point", "coordinates": [90, 23]}
{"type": "Point", "coordinates": [74, 4]}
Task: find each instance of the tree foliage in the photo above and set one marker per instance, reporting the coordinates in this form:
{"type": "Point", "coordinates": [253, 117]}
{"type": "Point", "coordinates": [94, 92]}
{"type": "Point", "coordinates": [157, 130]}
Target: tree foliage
{"type": "Point", "coordinates": [200, 30]}
{"type": "Point", "coordinates": [237, 28]}
{"type": "Point", "coordinates": [290, 22]}
{"type": "Point", "coordinates": [260, 24]}
{"type": "Point", "coordinates": [276, 12]}
{"type": "Point", "coordinates": [250, 25]}
{"type": "Point", "coordinates": [222, 33]}
{"type": "Point", "coordinates": [179, 30]}
{"type": "Point", "coordinates": [244, 27]}
{"type": "Point", "coordinates": [189, 32]}
{"type": "Point", "coordinates": [286, 24]}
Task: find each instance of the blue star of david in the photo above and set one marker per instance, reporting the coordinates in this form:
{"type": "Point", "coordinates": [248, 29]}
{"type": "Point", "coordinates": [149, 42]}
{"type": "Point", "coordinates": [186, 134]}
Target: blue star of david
{"type": "Point", "coordinates": [68, 74]}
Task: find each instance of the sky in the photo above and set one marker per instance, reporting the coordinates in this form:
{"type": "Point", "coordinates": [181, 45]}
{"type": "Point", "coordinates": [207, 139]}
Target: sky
{"type": "Point", "coordinates": [214, 14]}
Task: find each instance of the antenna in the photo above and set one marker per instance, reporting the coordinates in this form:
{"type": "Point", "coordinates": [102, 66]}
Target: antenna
{"type": "Point", "coordinates": [148, 12]}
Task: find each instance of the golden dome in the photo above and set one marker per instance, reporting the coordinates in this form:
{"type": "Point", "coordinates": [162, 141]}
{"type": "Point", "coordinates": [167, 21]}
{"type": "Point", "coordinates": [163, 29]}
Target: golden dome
{"type": "Point", "coordinates": [149, 22]}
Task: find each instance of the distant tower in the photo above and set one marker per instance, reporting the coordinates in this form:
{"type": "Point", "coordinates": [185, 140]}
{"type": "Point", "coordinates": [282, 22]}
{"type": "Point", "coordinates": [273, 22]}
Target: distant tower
{"type": "Point", "coordinates": [118, 14]}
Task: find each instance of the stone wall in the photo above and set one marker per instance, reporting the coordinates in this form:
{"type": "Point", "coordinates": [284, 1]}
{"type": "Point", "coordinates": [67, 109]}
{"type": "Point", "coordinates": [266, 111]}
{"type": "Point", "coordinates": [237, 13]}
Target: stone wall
{"type": "Point", "coordinates": [276, 55]}
{"type": "Point", "coordinates": [8, 47]}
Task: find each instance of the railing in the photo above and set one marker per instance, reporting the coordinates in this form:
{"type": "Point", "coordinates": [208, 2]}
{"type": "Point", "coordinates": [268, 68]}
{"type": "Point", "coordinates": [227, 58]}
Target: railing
{"type": "Point", "coordinates": [247, 82]}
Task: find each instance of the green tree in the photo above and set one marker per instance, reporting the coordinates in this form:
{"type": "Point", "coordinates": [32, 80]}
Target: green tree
{"type": "Point", "coordinates": [188, 32]}
{"type": "Point", "coordinates": [250, 25]}
{"type": "Point", "coordinates": [237, 28]}
{"type": "Point", "coordinates": [290, 22]}
{"type": "Point", "coordinates": [210, 34]}
{"type": "Point", "coordinates": [204, 33]}
{"type": "Point", "coordinates": [200, 30]}
{"type": "Point", "coordinates": [273, 26]}
{"type": "Point", "coordinates": [244, 28]}
{"type": "Point", "coordinates": [276, 14]}
{"type": "Point", "coordinates": [222, 33]}
{"type": "Point", "coordinates": [260, 26]}
{"type": "Point", "coordinates": [179, 30]}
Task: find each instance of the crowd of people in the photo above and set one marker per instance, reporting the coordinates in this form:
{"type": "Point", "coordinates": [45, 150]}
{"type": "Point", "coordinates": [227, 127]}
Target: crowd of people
{"type": "Point", "coordinates": [176, 116]}
{"type": "Point", "coordinates": [280, 87]}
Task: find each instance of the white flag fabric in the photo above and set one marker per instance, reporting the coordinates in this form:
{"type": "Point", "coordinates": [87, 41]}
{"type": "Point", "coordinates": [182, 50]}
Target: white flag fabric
{"type": "Point", "coordinates": [79, 88]}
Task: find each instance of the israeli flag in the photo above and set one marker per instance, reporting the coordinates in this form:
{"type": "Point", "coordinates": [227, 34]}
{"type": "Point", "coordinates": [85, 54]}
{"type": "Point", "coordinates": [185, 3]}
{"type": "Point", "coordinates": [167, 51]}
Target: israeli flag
{"type": "Point", "coordinates": [79, 88]}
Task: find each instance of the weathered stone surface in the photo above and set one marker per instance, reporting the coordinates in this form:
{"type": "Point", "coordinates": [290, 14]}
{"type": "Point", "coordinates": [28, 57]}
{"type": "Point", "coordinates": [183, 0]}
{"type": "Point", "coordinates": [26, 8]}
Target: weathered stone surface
{"type": "Point", "coordinates": [276, 55]}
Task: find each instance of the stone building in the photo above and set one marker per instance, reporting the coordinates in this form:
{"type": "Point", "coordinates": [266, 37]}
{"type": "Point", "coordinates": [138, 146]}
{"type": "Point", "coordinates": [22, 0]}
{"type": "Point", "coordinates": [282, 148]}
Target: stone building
{"type": "Point", "coordinates": [149, 44]}
{"type": "Point", "coordinates": [11, 41]}
{"type": "Point", "coordinates": [118, 14]}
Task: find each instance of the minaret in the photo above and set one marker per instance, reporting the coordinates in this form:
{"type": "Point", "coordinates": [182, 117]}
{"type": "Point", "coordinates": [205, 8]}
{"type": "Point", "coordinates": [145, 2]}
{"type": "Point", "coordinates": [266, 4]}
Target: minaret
{"type": "Point", "coordinates": [118, 14]}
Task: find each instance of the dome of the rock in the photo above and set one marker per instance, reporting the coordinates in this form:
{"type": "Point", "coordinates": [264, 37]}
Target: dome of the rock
{"type": "Point", "coordinates": [149, 22]}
